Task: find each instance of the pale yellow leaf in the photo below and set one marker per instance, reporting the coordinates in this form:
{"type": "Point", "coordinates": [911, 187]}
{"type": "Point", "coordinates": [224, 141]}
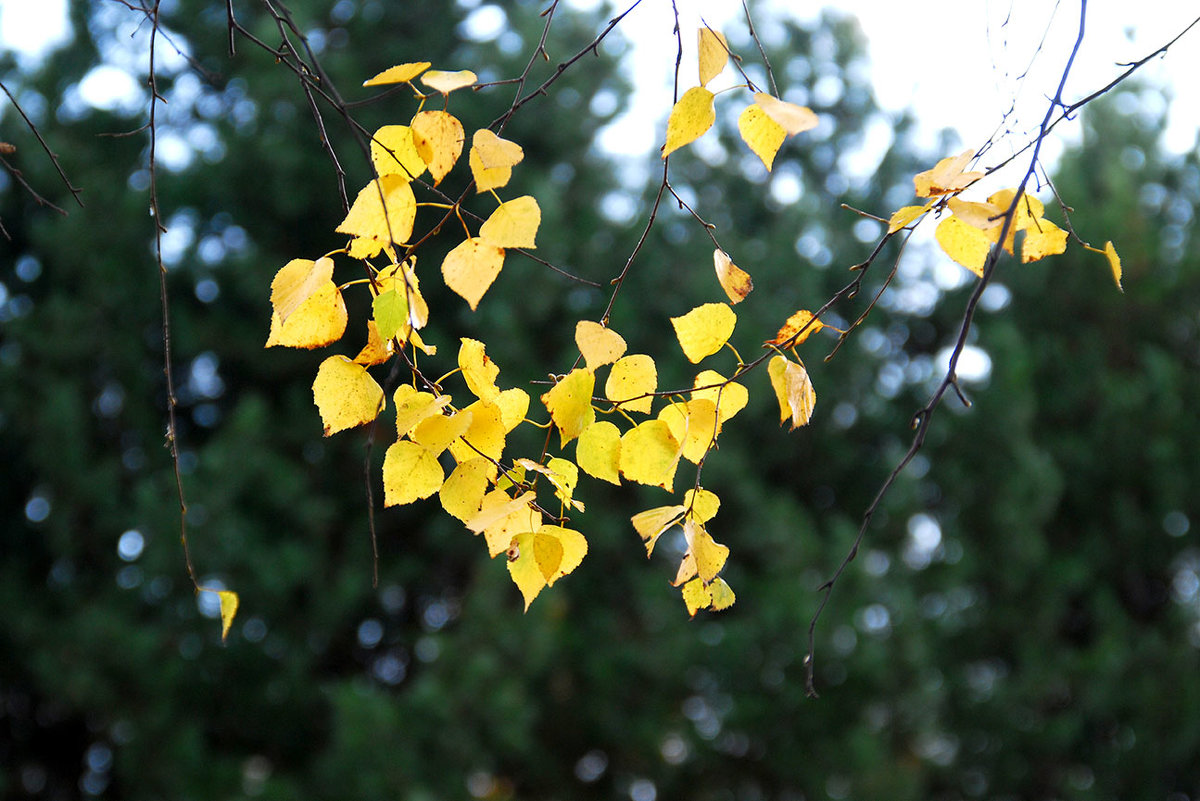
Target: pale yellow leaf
{"type": "Point", "coordinates": [570, 403]}
{"type": "Point", "coordinates": [696, 596]}
{"type": "Point", "coordinates": [904, 217]}
{"type": "Point", "coordinates": [437, 432]}
{"type": "Point", "coordinates": [483, 437]}
{"type": "Point", "coordinates": [690, 118]}
{"type": "Point", "coordinates": [599, 345]}
{"type": "Point", "coordinates": [599, 451]}
{"type": "Point", "coordinates": [447, 82]}
{"type": "Point", "coordinates": [629, 382]}
{"type": "Point", "coordinates": [384, 202]}
{"type": "Point", "coordinates": [946, 177]}
{"type": "Point", "coordinates": [394, 152]}
{"type": "Point", "coordinates": [686, 571]}
{"type": "Point", "coordinates": [704, 330]}
{"type": "Point", "coordinates": [501, 516]}
{"type": "Point", "coordinates": [514, 224]}
{"type": "Point", "coordinates": [478, 369]}
{"type": "Point", "coordinates": [229, 607]}
{"type": "Point", "coordinates": [1047, 239]}
{"type": "Point", "coordinates": [462, 493]}
{"type": "Point", "coordinates": [413, 406]}
{"type": "Point", "coordinates": [650, 454]}
{"type": "Point", "coordinates": [793, 390]}
{"type": "Point", "coordinates": [376, 351]}
{"type": "Point", "coordinates": [562, 474]}
{"type": "Point", "coordinates": [984, 216]}
{"type": "Point", "coordinates": [693, 425]}
{"type": "Point", "coordinates": [572, 547]}
{"type": "Point", "coordinates": [492, 159]}
{"type": "Point", "coordinates": [296, 282]}
{"type": "Point", "coordinates": [722, 595]}
{"type": "Point", "coordinates": [410, 473]}
{"type": "Point", "coordinates": [730, 397]}
{"type": "Point", "coordinates": [439, 138]}
{"type": "Point", "coordinates": [792, 118]}
{"type": "Point", "coordinates": [713, 53]}
{"type": "Point", "coordinates": [318, 321]}
{"type": "Point", "coordinates": [471, 268]}
{"type": "Point", "coordinates": [964, 243]}
{"type": "Point", "coordinates": [652, 523]}
{"type": "Point", "coordinates": [702, 505]}
{"type": "Point", "coordinates": [710, 555]}
{"type": "Point", "coordinates": [346, 395]}
{"type": "Point", "coordinates": [401, 73]}
{"type": "Point", "coordinates": [735, 281]}
{"type": "Point", "coordinates": [513, 403]}
{"type": "Point", "coordinates": [761, 134]}
{"type": "Point", "coordinates": [523, 566]}
{"type": "Point", "coordinates": [1114, 261]}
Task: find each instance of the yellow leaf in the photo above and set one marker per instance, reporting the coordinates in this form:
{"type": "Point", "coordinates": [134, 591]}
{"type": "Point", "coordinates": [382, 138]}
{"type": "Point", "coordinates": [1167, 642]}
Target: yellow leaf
{"type": "Point", "coordinates": [964, 243]}
{"type": "Point", "coordinates": [652, 523]}
{"type": "Point", "coordinates": [471, 267]}
{"type": "Point", "coordinates": [599, 451]}
{"type": "Point", "coordinates": [570, 403]}
{"type": "Point", "coordinates": [984, 216]}
{"type": "Point", "coordinates": [447, 82]}
{"type": "Point", "coordinates": [404, 282]}
{"type": "Point", "coordinates": [792, 118]}
{"type": "Point", "coordinates": [631, 378]}
{"type": "Point", "coordinates": [650, 454]}
{"type": "Point", "coordinates": [1045, 240]}
{"type": "Point", "coordinates": [393, 152]}
{"type": "Point", "coordinates": [492, 160]}
{"type": "Point", "coordinates": [793, 390]}
{"type": "Point", "coordinates": [710, 555]}
{"type": "Point", "coordinates": [376, 351]}
{"type": "Point", "coordinates": [362, 247]}
{"type": "Point", "coordinates": [800, 325]}
{"type": "Point", "coordinates": [484, 436]}
{"type": "Point", "coordinates": [462, 493]}
{"type": "Point", "coordinates": [514, 224]}
{"type": "Point", "coordinates": [714, 54]}
{"type": "Point", "coordinates": [513, 403]}
{"type": "Point", "coordinates": [401, 73]}
{"type": "Point", "coordinates": [687, 569]}
{"type": "Point", "coordinates": [229, 606]}
{"type": "Point", "coordinates": [704, 330]}
{"type": "Point", "coordinates": [412, 407]}
{"type": "Point", "coordinates": [729, 397]}
{"type": "Point", "coordinates": [696, 596]}
{"type": "Point", "coordinates": [571, 548]}
{"type": "Point", "coordinates": [370, 217]}
{"type": "Point", "coordinates": [946, 177]}
{"type": "Point", "coordinates": [722, 595]}
{"type": "Point", "coordinates": [735, 281]}
{"type": "Point", "coordinates": [523, 567]}
{"type": "Point", "coordinates": [547, 553]}
{"type": "Point", "coordinates": [562, 475]}
{"type": "Point", "coordinates": [410, 473]}
{"type": "Point", "coordinates": [439, 137]}
{"type": "Point", "coordinates": [905, 216]}
{"type": "Point", "coordinates": [693, 424]}
{"type": "Point", "coordinates": [761, 134]}
{"type": "Point", "coordinates": [599, 345]}
{"type": "Point", "coordinates": [500, 517]}
{"type": "Point", "coordinates": [1029, 209]}
{"type": "Point", "coordinates": [702, 505]}
{"type": "Point", "coordinates": [296, 282]}
{"type": "Point", "coordinates": [690, 118]}
{"type": "Point", "coordinates": [478, 370]}
{"type": "Point", "coordinates": [437, 432]}
{"type": "Point", "coordinates": [1114, 261]}
{"type": "Point", "coordinates": [318, 321]}
{"type": "Point", "coordinates": [345, 394]}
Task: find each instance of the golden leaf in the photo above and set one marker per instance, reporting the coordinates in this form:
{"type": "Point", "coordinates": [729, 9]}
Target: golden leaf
{"type": "Point", "coordinates": [492, 159]}
{"type": "Point", "coordinates": [345, 394]}
{"type": "Point", "coordinates": [437, 432]}
{"type": "Point", "coordinates": [652, 523]}
{"type": "Point", "coordinates": [570, 403]}
{"type": "Point", "coordinates": [1047, 239]}
{"type": "Point", "coordinates": [729, 397]}
{"type": "Point", "coordinates": [599, 451]}
{"type": "Point", "coordinates": [702, 505]}
{"type": "Point", "coordinates": [904, 217]}
{"type": "Point", "coordinates": [384, 202]}
{"type": "Point", "coordinates": [696, 596]}
{"type": "Point", "coordinates": [710, 555]}
{"type": "Point", "coordinates": [501, 518]}
{"type": "Point", "coordinates": [650, 454]}
{"type": "Point", "coordinates": [1114, 261]}
{"type": "Point", "coordinates": [318, 321]}
{"type": "Point", "coordinates": [401, 73]}
{"type": "Point", "coordinates": [793, 390]}
{"type": "Point", "coordinates": [735, 281]}
{"type": "Point", "coordinates": [447, 82]}
{"type": "Point", "coordinates": [410, 473]}
{"type": "Point", "coordinates": [713, 53]}
{"type": "Point", "coordinates": [693, 425]}
{"type": "Point", "coordinates": [462, 493]}
{"type": "Point", "coordinates": [296, 282]}
{"type": "Point", "coordinates": [722, 595]}
{"type": "Point", "coordinates": [704, 330]}
{"type": "Point", "coordinates": [800, 325]}
{"type": "Point", "coordinates": [478, 370]}
{"type": "Point", "coordinates": [690, 118]}
{"type": "Point", "coordinates": [631, 378]}
{"type": "Point", "coordinates": [597, 344]}
{"type": "Point", "coordinates": [792, 118]}
{"type": "Point", "coordinates": [513, 403]}
{"type": "Point", "coordinates": [484, 436]}
{"type": "Point", "coordinates": [471, 268]}
{"type": "Point", "coordinates": [394, 152]}
{"type": "Point", "coordinates": [964, 243]}
{"type": "Point", "coordinates": [514, 224]}
{"type": "Point", "coordinates": [946, 177]}
{"type": "Point", "coordinates": [412, 407]}
{"type": "Point", "coordinates": [439, 137]}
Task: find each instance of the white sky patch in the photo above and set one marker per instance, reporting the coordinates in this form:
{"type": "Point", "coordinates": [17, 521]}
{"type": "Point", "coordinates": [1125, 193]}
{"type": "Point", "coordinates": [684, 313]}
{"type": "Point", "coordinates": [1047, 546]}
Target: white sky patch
{"type": "Point", "coordinates": [33, 27]}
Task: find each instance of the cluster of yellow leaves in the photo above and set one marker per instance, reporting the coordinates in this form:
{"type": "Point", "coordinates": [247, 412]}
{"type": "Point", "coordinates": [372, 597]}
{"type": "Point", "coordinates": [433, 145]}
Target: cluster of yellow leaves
{"type": "Point", "coordinates": [703, 557]}
{"type": "Point", "coordinates": [971, 228]}
{"type": "Point", "coordinates": [763, 125]}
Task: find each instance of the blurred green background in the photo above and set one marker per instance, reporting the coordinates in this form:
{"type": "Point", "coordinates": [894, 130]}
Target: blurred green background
{"type": "Point", "coordinates": [1023, 621]}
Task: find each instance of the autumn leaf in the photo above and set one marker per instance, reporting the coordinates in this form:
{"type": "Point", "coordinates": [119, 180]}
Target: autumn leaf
{"type": "Point", "coordinates": [513, 224]}
{"type": "Point", "coordinates": [598, 451]}
{"type": "Point", "coordinates": [905, 216]}
{"type": "Point", "coordinates": [735, 281]}
{"type": "Point", "coordinates": [793, 390]}
{"type": "Point", "coordinates": [709, 554]}
{"type": "Point", "coordinates": [345, 394]}
{"type": "Point", "coordinates": [435, 433]}
{"type": "Point", "coordinates": [713, 54]}
{"type": "Point", "coordinates": [693, 425]}
{"type": "Point", "coordinates": [296, 282]}
{"type": "Point", "coordinates": [690, 118]}
{"type": "Point", "coordinates": [652, 523]}
{"type": "Point", "coordinates": [1045, 240]}
{"type": "Point", "coordinates": [318, 321]}
{"type": "Point", "coordinates": [390, 310]}
{"type": "Point", "coordinates": [377, 350]}
{"type": "Point", "coordinates": [228, 604]}
{"type": "Point", "coordinates": [598, 345]}
{"type": "Point", "coordinates": [792, 118]}
{"type": "Point", "coordinates": [964, 243]}
{"type": "Point", "coordinates": [722, 595]}
{"type": "Point", "coordinates": [413, 406]}
{"type": "Point", "coordinates": [650, 454]}
{"type": "Point", "coordinates": [492, 159]}
{"type": "Point", "coordinates": [1114, 261]}
{"type": "Point", "coordinates": [729, 397]}
{"type": "Point", "coordinates": [462, 493]}
{"type": "Point", "coordinates": [513, 404]}
{"type": "Point", "coordinates": [438, 136]}
{"type": "Point", "coordinates": [800, 325]}
{"type": "Point", "coordinates": [544, 556]}
{"type": "Point", "coordinates": [704, 330]}
{"type": "Point", "coordinates": [629, 382]}
{"type": "Point", "coordinates": [410, 473]}
{"type": "Point", "coordinates": [484, 436]}
{"type": "Point", "coordinates": [696, 596]}
{"type": "Point", "coordinates": [394, 152]}
{"type": "Point", "coordinates": [384, 211]}
{"type": "Point", "coordinates": [501, 517]}
{"type": "Point", "coordinates": [947, 176]}
{"type": "Point", "coordinates": [470, 269]}
{"type": "Point", "coordinates": [478, 369]}
{"type": "Point", "coordinates": [570, 403]}
{"type": "Point", "coordinates": [401, 73]}
{"type": "Point", "coordinates": [562, 475]}
{"type": "Point", "coordinates": [702, 505]}
{"type": "Point", "coordinates": [447, 82]}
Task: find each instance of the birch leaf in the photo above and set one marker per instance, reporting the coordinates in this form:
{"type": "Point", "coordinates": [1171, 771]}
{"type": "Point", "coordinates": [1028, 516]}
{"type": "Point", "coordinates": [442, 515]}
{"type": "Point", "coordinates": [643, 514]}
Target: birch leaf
{"type": "Point", "coordinates": [438, 136]}
{"type": "Point", "coordinates": [599, 345]}
{"type": "Point", "coordinates": [690, 118]}
{"type": "Point", "coordinates": [410, 473]}
{"type": "Point", "coordinates": [345, 394]}
{"type": "Point", "coordinates": [570, 403]}
{"type": "Point", "coordinates": [704, 330]}
{"type": "Point", "coordinates": [761, 134]}
{"type": "Point", "coordinates": [713, 54]}
{"type": "Point", "coordinates": [735, 281]}
{"type": "Point", "coordinates": [401, 73]}
{"type": "Point", "coordinates": [793, 390]}
{"type": "Point", "coordinates": [514, 224]}
{"type": "Point", "coordinates": [631, 378]}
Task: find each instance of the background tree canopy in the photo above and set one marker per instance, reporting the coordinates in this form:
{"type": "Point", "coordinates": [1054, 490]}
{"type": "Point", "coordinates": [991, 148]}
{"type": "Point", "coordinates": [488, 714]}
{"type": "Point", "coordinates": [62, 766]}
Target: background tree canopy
{"type": "Point", "coordinates": [1022, 622]}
